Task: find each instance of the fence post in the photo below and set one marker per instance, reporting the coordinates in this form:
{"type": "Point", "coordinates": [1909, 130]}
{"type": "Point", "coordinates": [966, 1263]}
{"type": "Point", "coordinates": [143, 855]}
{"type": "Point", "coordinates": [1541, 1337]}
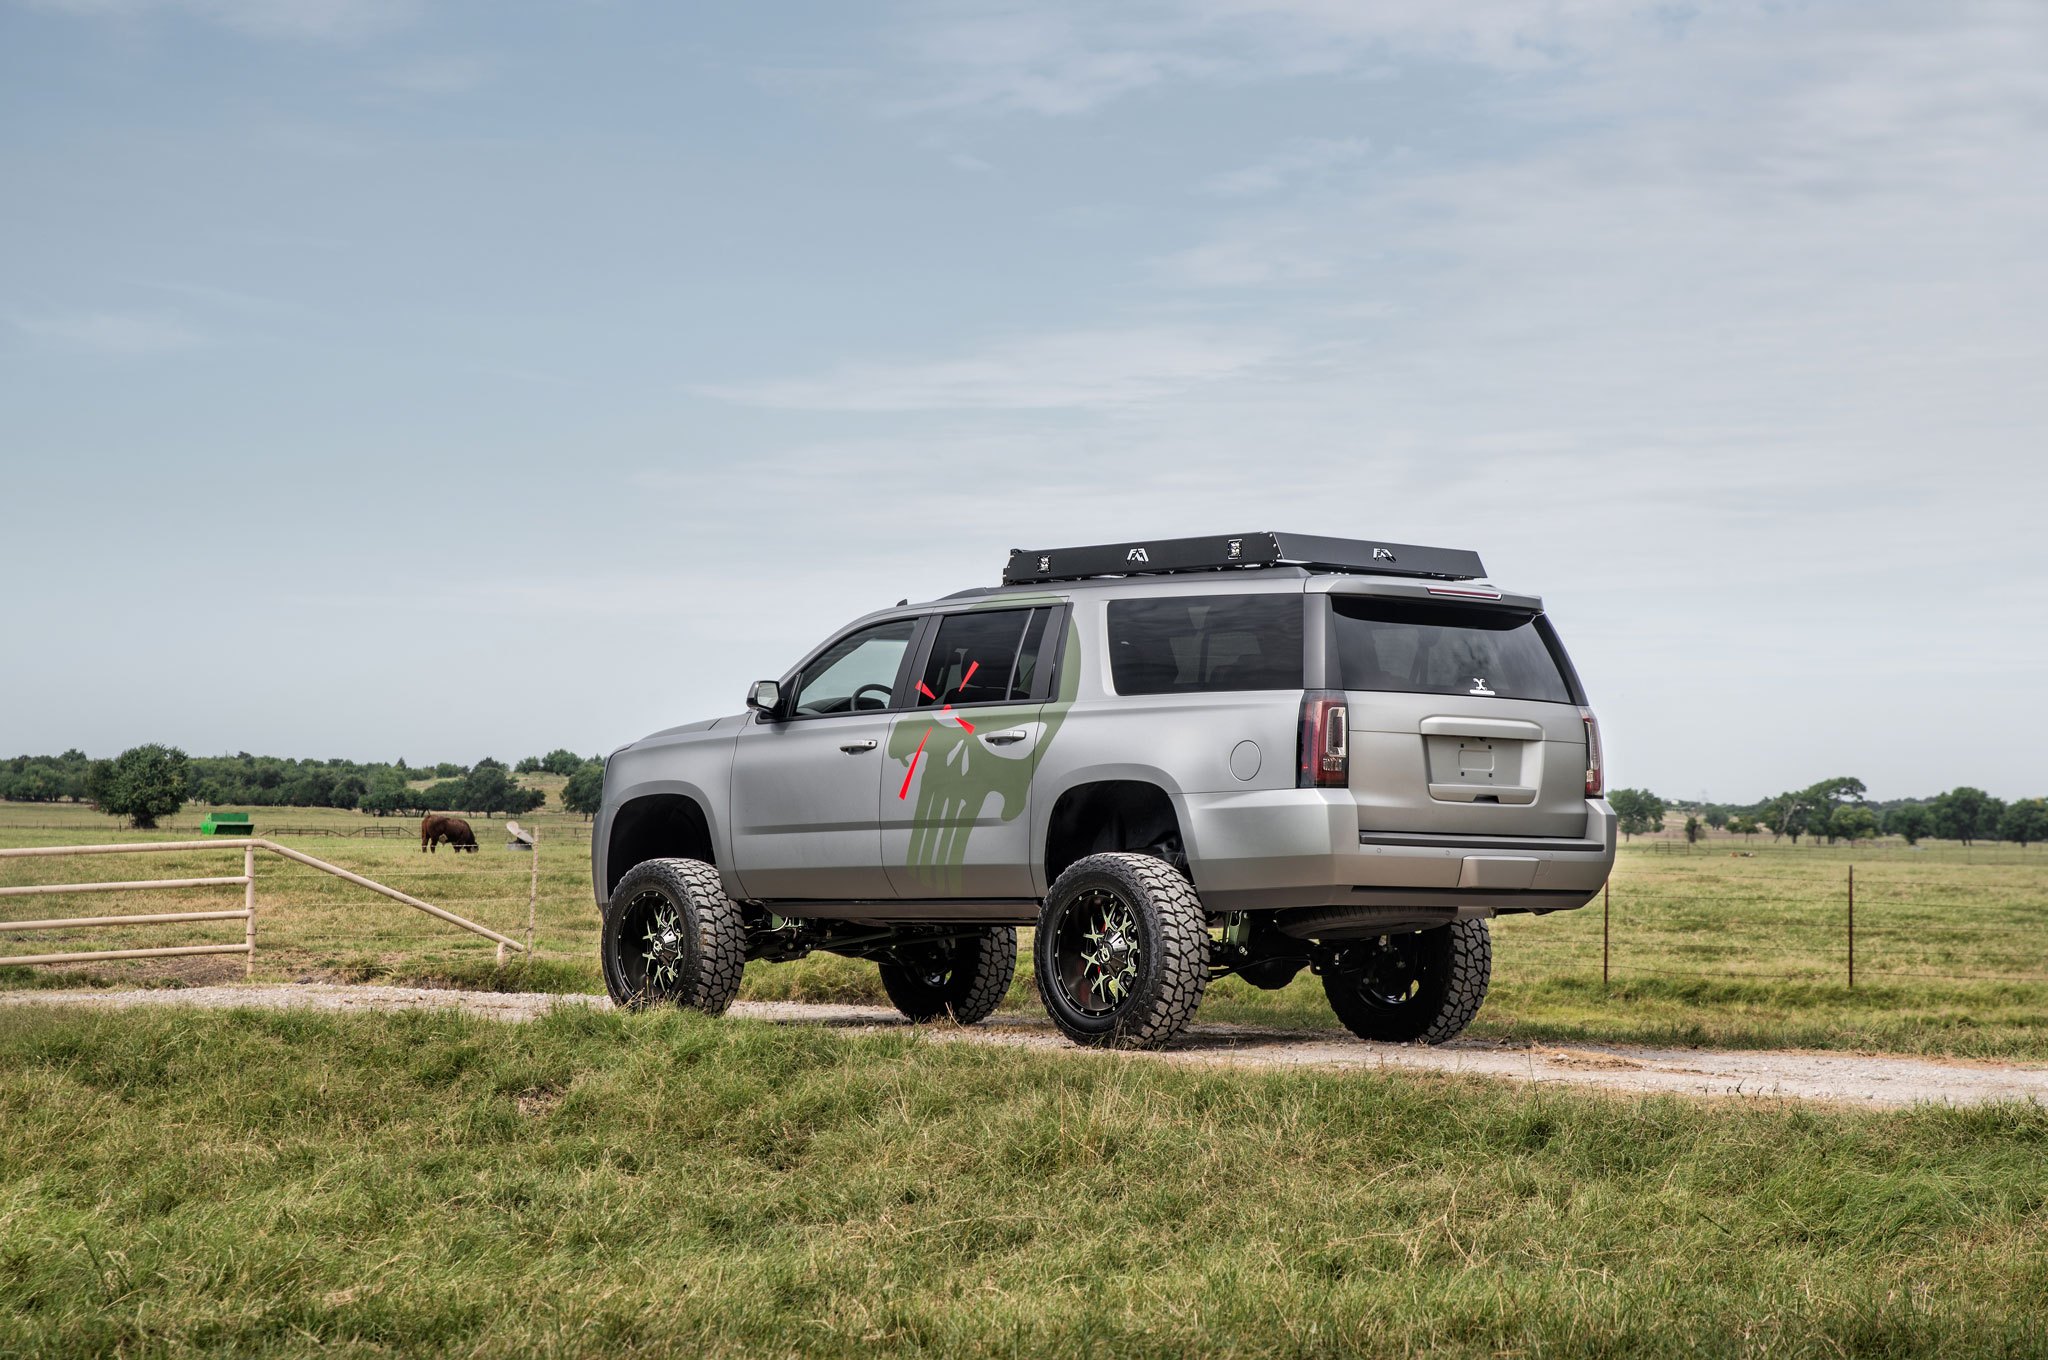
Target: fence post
{"type": "Point", "coordinates": [1606, 914]}
{"type": "Point", "coordinates": [1852, 927]}
{"type": "Point", "coordinates": [249, 905]}
{"type": "Point", "coordinates": [533, 893]}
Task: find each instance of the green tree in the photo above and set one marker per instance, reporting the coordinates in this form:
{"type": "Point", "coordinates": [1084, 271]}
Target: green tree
{"type": "Point", "coordinates": [1911, 821]}
{"type": "Point", "coordinates": [584, 792]}
{"type": "Point", "coordinates": [1692, 829]}
{"type": "Point", "coordinates": [563, 762]}
{"type": "Point", "coordinates": [1640, 810]}
{"type": "Point", "coordinates": [1967, 815]}
{"type": "Point", "coordinates": [387, 791]}
{"type": "Point", "coordinates": [530, 765]}
{"type": "Point", "coordinates": [1786, 815]}
{"type": "Point", "coordinates": [488, 789]}
{"type": "Point", "coordinates": [1717, 818]}
{"type": "Point", "coordinates": [2025, 822]}
{"type": "Point", "coordinates": [142, 784]}
{"type": "Point", "coordinates": [1854, 823]}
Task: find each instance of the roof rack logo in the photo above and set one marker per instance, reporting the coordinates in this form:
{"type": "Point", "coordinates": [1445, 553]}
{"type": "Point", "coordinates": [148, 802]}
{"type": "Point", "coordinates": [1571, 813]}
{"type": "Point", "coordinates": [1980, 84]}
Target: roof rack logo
{"type": "Point", "coordinates": [1045, 563]}
{"type": "Point", "coordinates": [1137, 555]}
{"type": "Point", "coordinates": [1236, 548]}
{"type": "Point", "coordinates": [1382, 554]}
{"type": "Point", "coordinates": [1479, 687]}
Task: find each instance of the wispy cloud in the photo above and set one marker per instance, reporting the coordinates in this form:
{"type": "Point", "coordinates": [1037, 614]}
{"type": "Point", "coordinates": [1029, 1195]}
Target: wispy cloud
{"type": "Point", "coordinates": [1073, 369]}
{"type": "Point", "coordinates": [122, 334]}
{"type": "Point", "coordinates": [1307, 158]}
{"type": "Point", "coordinates": [303, 20]}
{"type": "Point", "coordinates": [1070, 58]}
{"type": "Point", "coordinates": [1042, 60]}
{"type": "Point", "coordinates": [444, 75]}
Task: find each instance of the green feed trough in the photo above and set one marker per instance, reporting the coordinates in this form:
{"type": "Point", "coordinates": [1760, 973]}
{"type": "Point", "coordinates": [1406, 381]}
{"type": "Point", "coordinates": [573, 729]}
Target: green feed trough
{"type": "Point", "coordinates": [227, 824]}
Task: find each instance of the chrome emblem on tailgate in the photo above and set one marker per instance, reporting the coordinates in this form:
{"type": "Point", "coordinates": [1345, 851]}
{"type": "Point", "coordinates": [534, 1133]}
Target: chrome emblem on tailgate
{"type": "Point", "coordinates": [1479, 687]}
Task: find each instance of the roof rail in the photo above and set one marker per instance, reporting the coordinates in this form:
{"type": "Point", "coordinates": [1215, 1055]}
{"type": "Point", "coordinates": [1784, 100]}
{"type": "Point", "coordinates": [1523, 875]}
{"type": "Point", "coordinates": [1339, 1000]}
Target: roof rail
{"type": "Point", "coordinates": [1168, 555]}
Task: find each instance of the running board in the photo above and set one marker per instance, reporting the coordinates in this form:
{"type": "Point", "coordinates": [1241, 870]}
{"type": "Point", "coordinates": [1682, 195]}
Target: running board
{"type": "Point", "coordinates": [1005, 911]}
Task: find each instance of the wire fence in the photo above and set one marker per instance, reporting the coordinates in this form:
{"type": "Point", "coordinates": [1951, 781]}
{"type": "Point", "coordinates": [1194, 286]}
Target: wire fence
{"type": "Point", "coordinates": [1815, 917]}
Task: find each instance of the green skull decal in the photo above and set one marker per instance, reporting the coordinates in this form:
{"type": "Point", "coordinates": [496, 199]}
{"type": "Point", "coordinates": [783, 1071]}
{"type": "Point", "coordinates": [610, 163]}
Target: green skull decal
{"type": "Point", "coordinates": [950, 776]}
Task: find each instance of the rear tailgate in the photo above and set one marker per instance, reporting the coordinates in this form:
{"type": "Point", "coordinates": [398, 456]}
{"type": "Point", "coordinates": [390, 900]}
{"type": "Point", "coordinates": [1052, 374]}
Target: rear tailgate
{"type": "Point", "coordinates": [1464, 719]}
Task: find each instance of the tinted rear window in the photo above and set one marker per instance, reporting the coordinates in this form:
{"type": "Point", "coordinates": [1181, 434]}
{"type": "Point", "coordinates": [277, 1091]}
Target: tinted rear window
{"type": "Point", "coordinates": [1191, 644]}
{"type": "Point", "coordinates": [1444, 649]}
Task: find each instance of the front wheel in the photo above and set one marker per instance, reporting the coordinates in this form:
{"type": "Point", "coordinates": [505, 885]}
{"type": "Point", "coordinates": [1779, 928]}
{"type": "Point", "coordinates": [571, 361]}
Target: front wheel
{"type": "Point", "coordinates": [671, 936]}
{"type": "Point", "coordinates": [965, 979]}
{"type": "Point", "coordinates": [1122, 952]}
{"type": "Point", "coordinates": [1423, 987]}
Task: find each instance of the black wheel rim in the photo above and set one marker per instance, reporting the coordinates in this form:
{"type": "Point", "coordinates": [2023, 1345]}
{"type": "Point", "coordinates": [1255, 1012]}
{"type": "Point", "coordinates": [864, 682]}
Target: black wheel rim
{"type": "Point", "coordinates": [1095, 952]}
{"type": "Point", "coordinates": [929, 966]}
{"type": "Point", "coordinates": [1388, 974]}
{"type": "Point", "coordinates": [653, 947]}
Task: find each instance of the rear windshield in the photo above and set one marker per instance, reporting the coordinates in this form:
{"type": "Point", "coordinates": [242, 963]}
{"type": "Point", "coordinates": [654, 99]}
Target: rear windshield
{"type": "Point", "coordinates": [1191, 644]}
{"type": "Point", "coordinates": [1445, 649]}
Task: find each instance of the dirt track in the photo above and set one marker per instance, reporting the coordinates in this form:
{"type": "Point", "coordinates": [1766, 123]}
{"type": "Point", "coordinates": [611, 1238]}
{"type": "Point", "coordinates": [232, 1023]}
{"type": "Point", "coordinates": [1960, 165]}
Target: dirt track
{"type": "Point", "coordinates": [1838, 1077]}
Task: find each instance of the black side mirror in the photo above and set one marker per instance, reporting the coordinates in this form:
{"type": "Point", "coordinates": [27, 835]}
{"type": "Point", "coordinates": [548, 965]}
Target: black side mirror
{"type": "Point", "coordinates": [765, 698]}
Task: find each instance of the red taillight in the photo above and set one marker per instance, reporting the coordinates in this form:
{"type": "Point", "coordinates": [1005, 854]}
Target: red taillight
{"type": "Point", "coordinates": [1596, 770]}
{"type": "Point", "coordinates": [1325, 741]}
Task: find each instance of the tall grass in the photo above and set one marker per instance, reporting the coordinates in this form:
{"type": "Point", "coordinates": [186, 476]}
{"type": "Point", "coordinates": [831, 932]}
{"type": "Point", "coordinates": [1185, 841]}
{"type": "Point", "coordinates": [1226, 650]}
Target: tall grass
{"type": "Point", "coordinates": [286, 1183]}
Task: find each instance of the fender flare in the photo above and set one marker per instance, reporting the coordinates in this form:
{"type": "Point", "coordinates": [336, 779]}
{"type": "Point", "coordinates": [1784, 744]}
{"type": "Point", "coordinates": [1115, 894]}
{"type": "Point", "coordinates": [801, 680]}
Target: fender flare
{"type": "Point", "coordinates": [714, 821]}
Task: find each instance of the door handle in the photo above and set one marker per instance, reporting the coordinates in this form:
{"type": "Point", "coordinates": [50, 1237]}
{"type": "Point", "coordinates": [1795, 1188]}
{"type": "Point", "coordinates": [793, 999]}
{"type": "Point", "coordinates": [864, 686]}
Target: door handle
{"type": "Point", "coordinates": [1005, 738]}
{"type": "Point", "coordinates": [854, 748]}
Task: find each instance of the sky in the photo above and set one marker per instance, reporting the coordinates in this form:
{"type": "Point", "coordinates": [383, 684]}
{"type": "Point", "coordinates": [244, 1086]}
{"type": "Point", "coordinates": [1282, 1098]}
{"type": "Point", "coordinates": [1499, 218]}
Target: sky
{"type": "Point", "coordinates": [384, 378]}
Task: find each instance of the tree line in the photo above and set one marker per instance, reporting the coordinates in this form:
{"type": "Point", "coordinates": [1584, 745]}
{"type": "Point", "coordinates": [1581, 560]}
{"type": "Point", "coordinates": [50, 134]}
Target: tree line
{"type": "Point", "coordinates": [1838, 809]}
{"type": "Point", "coordinates": [147, 782]}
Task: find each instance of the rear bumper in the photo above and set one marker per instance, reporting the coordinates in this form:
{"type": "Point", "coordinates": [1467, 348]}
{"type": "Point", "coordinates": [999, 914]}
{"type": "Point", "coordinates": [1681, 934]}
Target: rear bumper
{"type": "Point", "coordinates": [1286, 848]}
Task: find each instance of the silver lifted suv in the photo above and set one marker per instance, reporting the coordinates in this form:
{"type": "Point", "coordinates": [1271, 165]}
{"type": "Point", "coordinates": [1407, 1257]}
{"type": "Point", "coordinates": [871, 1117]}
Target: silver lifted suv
{"type": "Point", "coordinates": [1178, 760]}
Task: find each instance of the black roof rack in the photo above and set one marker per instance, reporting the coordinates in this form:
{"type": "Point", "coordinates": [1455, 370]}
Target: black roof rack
{"type": "Point", "coordinates": [1166, 555]}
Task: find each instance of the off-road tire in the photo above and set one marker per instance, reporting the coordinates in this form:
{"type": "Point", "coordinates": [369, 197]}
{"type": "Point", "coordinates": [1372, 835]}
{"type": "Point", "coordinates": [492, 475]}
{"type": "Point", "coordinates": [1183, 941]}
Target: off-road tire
{"type": "Point", "coordinates": [1449, 969]}
{"type": "Point", "coordinates": [706, 938]}
{"type": "Point", "coordinates": [967, 978]}
{"type": "Point", "coordinates": [1171, 951]}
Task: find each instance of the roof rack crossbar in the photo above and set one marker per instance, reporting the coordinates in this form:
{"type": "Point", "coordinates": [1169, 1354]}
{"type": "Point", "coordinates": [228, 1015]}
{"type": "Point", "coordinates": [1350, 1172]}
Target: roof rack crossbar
{"type": "Point", "coordinates": [1169, 555]}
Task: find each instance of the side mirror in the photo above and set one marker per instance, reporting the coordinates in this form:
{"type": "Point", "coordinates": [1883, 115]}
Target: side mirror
{"type": "Point", "coordinates": [765, 698]}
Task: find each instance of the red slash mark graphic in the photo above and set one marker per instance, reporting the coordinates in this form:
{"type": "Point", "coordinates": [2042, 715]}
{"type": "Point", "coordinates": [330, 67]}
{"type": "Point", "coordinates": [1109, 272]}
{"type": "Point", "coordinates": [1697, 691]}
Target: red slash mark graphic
{"type": "Point", "coordinates": [903, 793]}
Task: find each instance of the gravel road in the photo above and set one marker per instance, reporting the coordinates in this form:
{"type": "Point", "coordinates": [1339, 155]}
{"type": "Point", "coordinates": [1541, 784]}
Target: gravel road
{"type": "Point", "coordinates": [1845, 1078]}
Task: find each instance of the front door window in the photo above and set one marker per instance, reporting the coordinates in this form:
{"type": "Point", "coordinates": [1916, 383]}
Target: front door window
{"type": "Point", "coordinates": [856, 674]}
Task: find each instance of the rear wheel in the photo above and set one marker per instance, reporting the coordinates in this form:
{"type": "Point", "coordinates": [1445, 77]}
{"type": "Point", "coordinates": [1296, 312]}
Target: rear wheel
{"type": "Point", "coordinates": [1122, 952]}
{"type": "Point", "coordinates": [1423, 987]}
{"type": "Point", "coordinates": [671, 936]}
{"type": "Point", "coordinates": [965, 979]}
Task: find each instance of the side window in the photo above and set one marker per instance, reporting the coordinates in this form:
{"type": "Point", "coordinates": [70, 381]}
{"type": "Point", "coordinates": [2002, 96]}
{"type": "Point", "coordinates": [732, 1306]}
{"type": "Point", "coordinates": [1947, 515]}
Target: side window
{"type": "Point", "coordinates": [857, 673]}
{"type": "Point", "coordinates": [1187, 644]}
{"type": "Point", "coordinates": [985, 657]}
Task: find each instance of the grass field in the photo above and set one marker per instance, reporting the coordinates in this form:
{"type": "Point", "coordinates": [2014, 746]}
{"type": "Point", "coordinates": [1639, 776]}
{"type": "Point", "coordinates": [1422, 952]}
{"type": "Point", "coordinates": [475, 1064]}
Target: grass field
{"type": "Point", "coordinates": [596, 1183]}
{"type": "Point", "coordinates": [1708, 947]}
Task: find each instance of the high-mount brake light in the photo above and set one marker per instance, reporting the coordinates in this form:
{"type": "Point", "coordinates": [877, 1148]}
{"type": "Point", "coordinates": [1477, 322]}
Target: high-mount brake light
{"type": "Point", "coordinates": [1596, 769]}
{"type": "Point", "coordinates": [1325, 761]}
{"type": "Point", "coordinates": [1464, 593]}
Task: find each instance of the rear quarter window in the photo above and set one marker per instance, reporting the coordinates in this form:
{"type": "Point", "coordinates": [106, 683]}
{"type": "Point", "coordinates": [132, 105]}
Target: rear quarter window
{"type": "Point", "coordinates": [1399, 647]}
{"type": "Point", "coordinates": [1192, 644]}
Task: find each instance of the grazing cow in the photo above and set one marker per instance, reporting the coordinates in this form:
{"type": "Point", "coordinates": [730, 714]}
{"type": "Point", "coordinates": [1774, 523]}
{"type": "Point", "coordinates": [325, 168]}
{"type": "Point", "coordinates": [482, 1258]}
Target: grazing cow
{"type": "Point", "coordinates": [455, 831]}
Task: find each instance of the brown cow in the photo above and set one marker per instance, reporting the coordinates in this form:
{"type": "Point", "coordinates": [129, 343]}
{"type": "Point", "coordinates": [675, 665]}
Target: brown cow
{"type": "Point", "coordinates": [455, 831]}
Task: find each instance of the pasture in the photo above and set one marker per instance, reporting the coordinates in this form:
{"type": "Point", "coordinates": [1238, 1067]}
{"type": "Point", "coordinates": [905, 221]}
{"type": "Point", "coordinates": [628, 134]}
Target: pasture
{"type": "Point", "coordinates": [1707, 947]}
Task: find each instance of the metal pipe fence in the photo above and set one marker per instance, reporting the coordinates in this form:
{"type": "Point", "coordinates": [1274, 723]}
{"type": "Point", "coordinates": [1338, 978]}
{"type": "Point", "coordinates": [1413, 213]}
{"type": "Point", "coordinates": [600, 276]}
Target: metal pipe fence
{"type": "Point", "coordinates": [246, 880]}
